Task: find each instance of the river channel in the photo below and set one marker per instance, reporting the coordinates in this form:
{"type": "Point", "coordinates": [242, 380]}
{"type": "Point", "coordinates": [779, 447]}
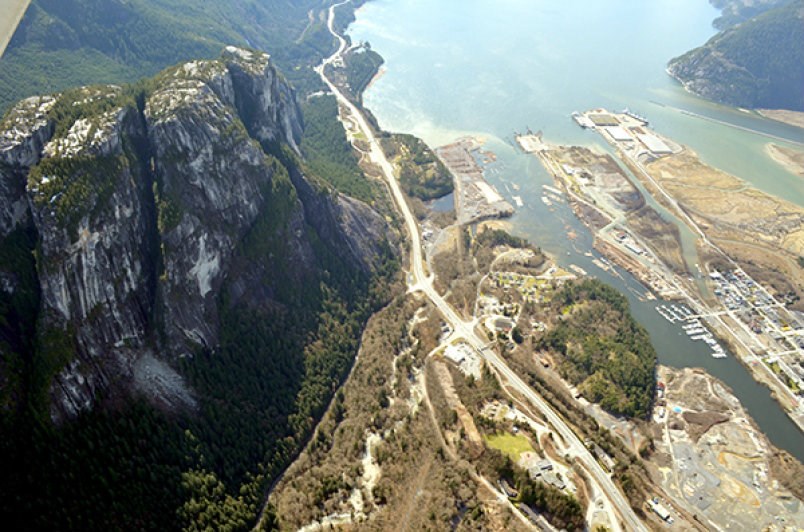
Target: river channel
{"type": "Point", "coordinates": [490, 69]}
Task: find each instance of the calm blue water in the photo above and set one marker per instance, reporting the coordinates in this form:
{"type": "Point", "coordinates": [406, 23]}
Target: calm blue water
{"type": "Point", "coordinates": [444, 203]}
{"type": "Point", "coordinates": [488, 69]}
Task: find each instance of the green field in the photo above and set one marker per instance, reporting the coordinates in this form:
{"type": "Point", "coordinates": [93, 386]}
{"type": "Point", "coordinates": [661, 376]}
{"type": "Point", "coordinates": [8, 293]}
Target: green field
{"type": "Point", "coordinates": [509, 444]}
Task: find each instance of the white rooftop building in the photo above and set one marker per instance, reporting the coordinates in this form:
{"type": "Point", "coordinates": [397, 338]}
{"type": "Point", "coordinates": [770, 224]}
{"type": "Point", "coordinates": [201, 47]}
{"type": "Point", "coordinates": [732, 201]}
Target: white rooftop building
{"type": "Point", "coordinates": [618, 133]}
{"type": "Point", "coordinates": [654, 144]}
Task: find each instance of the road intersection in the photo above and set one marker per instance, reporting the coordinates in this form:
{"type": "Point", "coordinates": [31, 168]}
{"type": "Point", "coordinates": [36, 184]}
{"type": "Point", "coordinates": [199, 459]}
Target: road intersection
{"type": "Point", "coordinates": [420, 280]}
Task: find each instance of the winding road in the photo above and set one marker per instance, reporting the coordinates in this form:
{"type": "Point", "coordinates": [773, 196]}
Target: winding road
{"type": "Point", "coordinates": [420, 281]}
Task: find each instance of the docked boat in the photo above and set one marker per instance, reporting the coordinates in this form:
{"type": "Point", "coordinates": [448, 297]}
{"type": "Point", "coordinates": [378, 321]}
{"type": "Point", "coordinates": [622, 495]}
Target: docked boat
{"type": "Point", "coordinates": [629, 112]}
{"type": "Point", "coordinates": [554, 190]}
{"type": "Point", "coordinates": [582, 121]}
{"type": "Point", "coordinates": [661, 309]}
{"type": "Point", "coordinates": [578, 269]}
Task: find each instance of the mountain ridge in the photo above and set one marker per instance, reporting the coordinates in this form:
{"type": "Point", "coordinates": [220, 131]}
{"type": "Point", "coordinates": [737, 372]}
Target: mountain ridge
{"type": "Point", "coordinates": [66, 43]}
{"type": "Point", "coordinates": [168, 260]}
{"type": "Point", "coordinates": [758, 63]}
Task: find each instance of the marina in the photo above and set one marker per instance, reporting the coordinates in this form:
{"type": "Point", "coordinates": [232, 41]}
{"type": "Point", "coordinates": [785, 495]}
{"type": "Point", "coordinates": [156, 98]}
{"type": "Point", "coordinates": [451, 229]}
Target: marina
{"type": "Point", "coordinates": [692, 326]}
{"type": "Point", "coordinates": [441, 108]}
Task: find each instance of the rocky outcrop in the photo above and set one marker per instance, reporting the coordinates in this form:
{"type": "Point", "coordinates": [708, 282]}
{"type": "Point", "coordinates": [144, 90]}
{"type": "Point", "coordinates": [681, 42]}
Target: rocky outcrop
{"type": "Point", "coordinates": [26, 130]}
{"type": "Point", "coordinates": [360, 234]}
{"type": "Point", "coordinates": [210, 177]}
{"type": "Point", "coordinates": [91, 208]}
{"type": "Point", "coordinates": [141, 201]}
{"type": "Point", "coordinates": [264, 99]}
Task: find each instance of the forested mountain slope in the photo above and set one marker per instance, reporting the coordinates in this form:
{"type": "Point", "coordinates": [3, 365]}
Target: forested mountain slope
{"type": "Point", "coordinates": [66, 43]}
{"type": "Point", "coordinates": [756, 64]}
{"type": "Point", "coordinates": [179, 297]}
{"type": "Point", "coordinates": [734, 12]}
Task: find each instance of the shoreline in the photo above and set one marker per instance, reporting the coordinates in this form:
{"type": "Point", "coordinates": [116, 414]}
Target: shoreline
{"type": "Point", "coordinates": [791, 118]}
{"type": "Point", "coordinates": [754, 372]}
{"type": "Point", "coordinates": [375, 78]}
{"type": "Point", "coordinates": [725, 332]}
{"type": "Point", "coordinates": [786, 158]}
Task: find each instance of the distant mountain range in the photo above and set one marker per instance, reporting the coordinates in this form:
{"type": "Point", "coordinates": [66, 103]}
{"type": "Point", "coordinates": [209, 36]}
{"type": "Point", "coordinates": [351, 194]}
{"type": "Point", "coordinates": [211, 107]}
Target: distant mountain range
{"type": "Point", "coordinates": [67, 43]}
{"type": "Point", "coordinates": [758, 63]}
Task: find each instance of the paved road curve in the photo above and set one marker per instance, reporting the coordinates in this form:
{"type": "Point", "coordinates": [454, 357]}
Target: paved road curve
{"type": "Point", "coordinates": [463, 329]}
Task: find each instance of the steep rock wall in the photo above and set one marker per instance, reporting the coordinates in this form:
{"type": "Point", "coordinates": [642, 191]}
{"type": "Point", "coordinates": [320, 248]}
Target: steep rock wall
{"type": "Point", "coordinates": [140, 198]}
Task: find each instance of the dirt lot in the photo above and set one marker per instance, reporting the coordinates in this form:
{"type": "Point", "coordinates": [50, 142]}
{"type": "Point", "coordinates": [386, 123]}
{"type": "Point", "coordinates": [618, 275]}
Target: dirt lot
{"type": "Point", "coordinates": [603, 182]}
{"type": "Point", "coordinates": [713, 459]}
{"type": "Point", "coordinates": [600, 174]}
{"type": "Point", "coordinates": [662, 236]}
{"type": "Point", "coordinates": [467, 422]}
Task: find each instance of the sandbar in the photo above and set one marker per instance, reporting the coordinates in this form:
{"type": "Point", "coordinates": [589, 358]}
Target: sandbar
{"type": "Point", "coordinates": [792, 160]}
{"type": "Point", "coordinates": [793, 118]}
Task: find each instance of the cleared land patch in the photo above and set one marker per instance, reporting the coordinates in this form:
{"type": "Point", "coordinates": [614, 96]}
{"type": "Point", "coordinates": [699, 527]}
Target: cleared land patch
{"type": "Point", "coordinates": [512, 445]}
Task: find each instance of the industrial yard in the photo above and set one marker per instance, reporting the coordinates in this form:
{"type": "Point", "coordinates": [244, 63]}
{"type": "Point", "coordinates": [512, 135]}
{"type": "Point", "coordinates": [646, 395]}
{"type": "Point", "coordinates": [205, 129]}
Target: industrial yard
{"type": "Point", "coordinates": [749, 225]}
{"type": "Point", "coordinates": [748, 309]}
{"type": "Point", "coordinates": [710, 455]}
{"type": "Point", "coordinates": [627, 230]}
{"type": "Point", "coordinates": [475, 198]}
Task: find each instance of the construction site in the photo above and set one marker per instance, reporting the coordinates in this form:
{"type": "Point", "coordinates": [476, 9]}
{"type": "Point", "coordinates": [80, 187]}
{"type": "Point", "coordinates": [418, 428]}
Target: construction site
{"type": "Point", "coordinates": [710, 454]}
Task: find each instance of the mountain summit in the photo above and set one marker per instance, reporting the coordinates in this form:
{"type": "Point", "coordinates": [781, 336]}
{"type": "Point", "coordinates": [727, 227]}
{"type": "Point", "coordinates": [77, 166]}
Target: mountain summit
{"type": "Point", "coordinates": [137, 199]}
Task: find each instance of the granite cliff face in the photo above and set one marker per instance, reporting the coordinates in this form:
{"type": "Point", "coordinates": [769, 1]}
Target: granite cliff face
{"type": "Point", "coordinates": [141, 198]}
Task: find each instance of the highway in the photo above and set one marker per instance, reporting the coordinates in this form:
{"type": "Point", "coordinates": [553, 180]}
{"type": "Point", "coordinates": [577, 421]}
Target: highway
{"type": "Point", "coordinates": [463, 329]}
